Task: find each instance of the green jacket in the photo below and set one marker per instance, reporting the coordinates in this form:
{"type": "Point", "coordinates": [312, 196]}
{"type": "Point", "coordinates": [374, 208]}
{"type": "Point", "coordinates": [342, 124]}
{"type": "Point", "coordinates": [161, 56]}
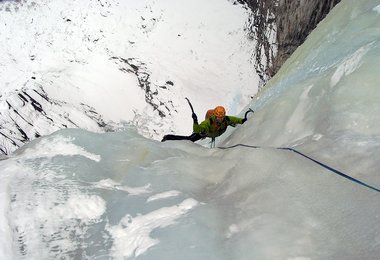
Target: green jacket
{"type": "Point", "coordinates": [211, 128]}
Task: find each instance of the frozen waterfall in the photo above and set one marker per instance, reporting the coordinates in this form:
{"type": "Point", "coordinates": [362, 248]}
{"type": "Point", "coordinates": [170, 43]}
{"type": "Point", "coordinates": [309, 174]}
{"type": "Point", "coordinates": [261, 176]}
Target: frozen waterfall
{"type": "Point", "coordinates": [82, 195]}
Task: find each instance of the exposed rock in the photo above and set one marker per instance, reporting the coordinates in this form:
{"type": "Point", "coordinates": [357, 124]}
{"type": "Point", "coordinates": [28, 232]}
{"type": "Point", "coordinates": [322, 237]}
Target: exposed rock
{"type": "Point", "coordinates": [292, 20]}
{"type": "Point", "coordinates": [132, 65]}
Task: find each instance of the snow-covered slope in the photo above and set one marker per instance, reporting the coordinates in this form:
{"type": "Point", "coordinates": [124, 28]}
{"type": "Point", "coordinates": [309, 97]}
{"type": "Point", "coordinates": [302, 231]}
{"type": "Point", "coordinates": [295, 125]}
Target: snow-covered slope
{"type": "Point", "coordinates": [99, 65]}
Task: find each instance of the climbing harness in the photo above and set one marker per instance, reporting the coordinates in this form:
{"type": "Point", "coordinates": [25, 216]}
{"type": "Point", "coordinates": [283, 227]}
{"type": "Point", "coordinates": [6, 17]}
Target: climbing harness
{"type": "Point", "coordinates": [309, 158]}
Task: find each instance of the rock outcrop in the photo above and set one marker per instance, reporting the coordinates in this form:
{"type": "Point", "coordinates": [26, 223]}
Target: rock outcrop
{"type": "Point", "coordinates": [291, 20]}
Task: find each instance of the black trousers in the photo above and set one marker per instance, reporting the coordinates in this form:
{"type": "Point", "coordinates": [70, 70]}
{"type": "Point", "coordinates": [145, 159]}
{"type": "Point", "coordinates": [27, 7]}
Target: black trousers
{"type": "Point", "coordinates": [193, 137]}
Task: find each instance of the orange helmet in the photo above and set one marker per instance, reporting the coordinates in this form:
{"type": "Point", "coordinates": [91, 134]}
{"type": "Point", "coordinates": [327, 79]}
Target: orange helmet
{"type": "Point", "coordinates": [219, 111]}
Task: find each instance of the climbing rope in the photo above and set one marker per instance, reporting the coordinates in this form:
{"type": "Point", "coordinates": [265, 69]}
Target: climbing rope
{"type": "Point", "coordinates": [311, 159]}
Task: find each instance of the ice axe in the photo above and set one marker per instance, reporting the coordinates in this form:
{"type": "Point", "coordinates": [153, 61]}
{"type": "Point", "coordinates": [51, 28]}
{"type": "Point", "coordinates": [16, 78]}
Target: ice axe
{"type": "Point", "coordinates": [193, 115]}
{"type": "Point", "coordinates": [246, 114]}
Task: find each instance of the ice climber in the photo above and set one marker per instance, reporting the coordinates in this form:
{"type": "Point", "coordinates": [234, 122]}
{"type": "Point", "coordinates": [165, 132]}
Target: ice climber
{"type": "Point", "coordinates": [214, 125]}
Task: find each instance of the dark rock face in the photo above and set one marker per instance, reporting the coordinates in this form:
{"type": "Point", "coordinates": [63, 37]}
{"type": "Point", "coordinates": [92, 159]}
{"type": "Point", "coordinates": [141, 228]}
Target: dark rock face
{"type": "Point", "coordinates": [294, 20]}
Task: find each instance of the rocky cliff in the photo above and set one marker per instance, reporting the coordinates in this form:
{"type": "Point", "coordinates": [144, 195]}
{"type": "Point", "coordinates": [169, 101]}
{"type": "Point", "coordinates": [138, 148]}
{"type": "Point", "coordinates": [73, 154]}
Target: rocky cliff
{"type": "Point", "coordinates": [280, 27]}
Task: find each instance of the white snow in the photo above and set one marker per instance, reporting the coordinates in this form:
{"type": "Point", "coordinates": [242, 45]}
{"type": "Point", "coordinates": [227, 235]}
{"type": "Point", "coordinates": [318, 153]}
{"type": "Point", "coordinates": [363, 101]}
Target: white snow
{"type": "Point", "coordinates": [377, 9]}
{"type": "Point", "coordinates": [57, 146]}
{"type": "Point", "coordinates": [5, 229]}
{"type": "Point", "coordinates": [349, 65]}
{"type": "Point", "coordinates": [131, 235]}
{"type": "Point", "coordinates": [77, 53]}
{"type": "Point", "coordinates": [112, 185]}
{"type": "Point", "coordinates": [163, 195]}
{"type": "Point", "coordinates": [82, 207]}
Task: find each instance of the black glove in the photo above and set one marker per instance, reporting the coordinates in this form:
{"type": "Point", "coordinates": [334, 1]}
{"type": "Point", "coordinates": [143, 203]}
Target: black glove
{"type": "Point", "coordinates": [195, 119]}
{"type": "Point", "coordinates": [243, 120]}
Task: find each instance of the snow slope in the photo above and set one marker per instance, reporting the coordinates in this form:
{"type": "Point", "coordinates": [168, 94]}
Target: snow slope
{"type": "Point", "coordinates": [100, 65]}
